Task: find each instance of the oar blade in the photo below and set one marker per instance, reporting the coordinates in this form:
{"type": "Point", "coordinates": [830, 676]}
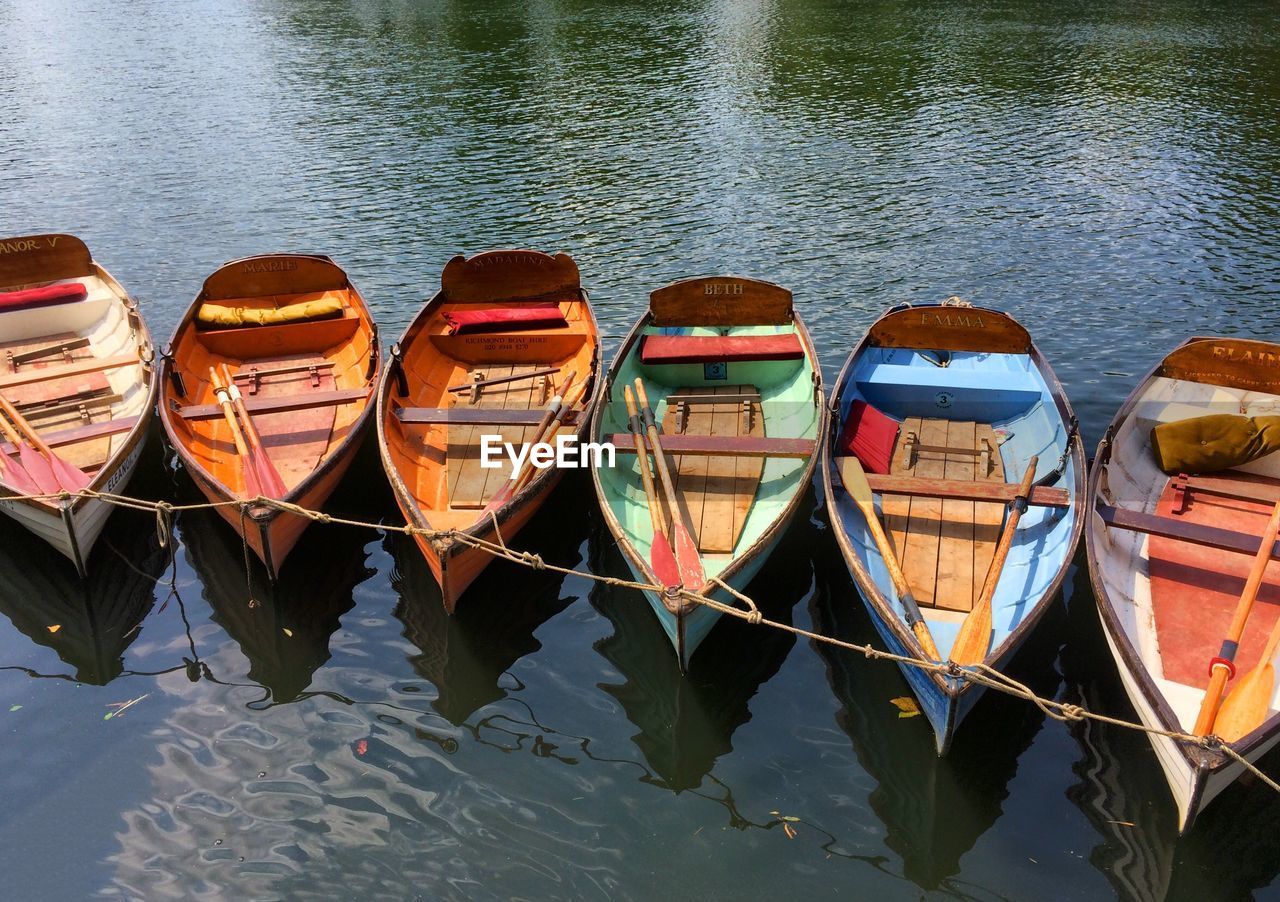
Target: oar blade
{"type": "Point", "coordinates": [855, 480]}
{"type": "Point", "coordinates": [72, 478]}
{"type": "Point", "coordinates": [974, 637]}
{"type": "Point", "coordinates": [1247, 704]}
{"type": "Point", "coordinates": [39, 470]}
{"type": "Point", "coordinates": [17, 478]}
{"type": "Point", "coordinates": [687, 557]}
{"type": "Point", "coordinates": [663, 563]}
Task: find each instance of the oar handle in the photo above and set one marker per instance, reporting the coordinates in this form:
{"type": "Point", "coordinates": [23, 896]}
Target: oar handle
{"type": "Point", "coordinates": [570, 401]}
{"type": "Point", "coordinates": [24, 427]}
{"type": "Point", "coordinates": [10, 433]}
{"type": "Point", "coordinates": [1016, 508]}
{"type": "Point", "coordinates": [659, 459]}
{"type": "Point", "coordinates": [1222, 667]}
{"type": "Point", "coordinates": [636, 423]}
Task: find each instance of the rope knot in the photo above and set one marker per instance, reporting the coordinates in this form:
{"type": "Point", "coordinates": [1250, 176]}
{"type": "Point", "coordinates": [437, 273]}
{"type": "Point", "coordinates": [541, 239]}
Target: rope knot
{"type": "Point", "coordinates": [164, 522]}
{"type": "Point", "coordinates": [754, 617]}
{"type": "Point", "coordinates": [1072, 712]}
{"type": "Point", "coordinates": [533, 560]}
{"type": "Point", "coordinates": [322, 517]}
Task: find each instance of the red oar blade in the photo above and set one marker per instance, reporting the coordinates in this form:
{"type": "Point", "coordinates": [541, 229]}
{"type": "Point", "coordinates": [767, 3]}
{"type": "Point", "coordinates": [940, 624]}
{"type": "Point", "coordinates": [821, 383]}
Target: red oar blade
{"type": "Point", "coordinates": [39, 470]}
{"type": "Point", "coordinates": [72, 478]}
{"type": "Point", "coordinates": [16, 477]}
{"type": "Point", "coordinates": [663, 563]}
{"type": "Point", "coordinates": [691, 573]}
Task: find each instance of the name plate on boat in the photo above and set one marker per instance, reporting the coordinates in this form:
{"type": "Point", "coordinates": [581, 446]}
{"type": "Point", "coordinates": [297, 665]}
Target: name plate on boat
{"type": "Point", "coordinates": [26, 245]}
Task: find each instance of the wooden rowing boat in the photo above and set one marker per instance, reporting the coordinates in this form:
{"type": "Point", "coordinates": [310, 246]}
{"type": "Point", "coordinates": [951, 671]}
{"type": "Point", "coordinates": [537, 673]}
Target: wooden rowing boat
{"type": "Point", "coordinates": [484, 357]}
{"type": "Point", "coordinates": [734, 381]}
{"type": "Point", "coordinates": [77, 365]}
{"type": "Point", "coordinates": [945, 404]}
{"type": "Point", "coordinates": [301, 347]}
{"type": "Point", "coordinates": [1168, 555]}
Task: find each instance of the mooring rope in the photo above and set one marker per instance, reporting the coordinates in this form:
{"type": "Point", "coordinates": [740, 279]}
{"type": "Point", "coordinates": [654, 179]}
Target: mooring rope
{"type": "Point", "coordinates": [978, 674]}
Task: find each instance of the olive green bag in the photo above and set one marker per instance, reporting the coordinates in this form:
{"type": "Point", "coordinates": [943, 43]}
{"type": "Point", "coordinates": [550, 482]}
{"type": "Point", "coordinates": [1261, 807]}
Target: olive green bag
{"type": "Point", "coordinates": [1216, 442]}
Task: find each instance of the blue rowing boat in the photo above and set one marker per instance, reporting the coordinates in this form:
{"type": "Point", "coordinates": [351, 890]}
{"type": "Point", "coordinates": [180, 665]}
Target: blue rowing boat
{"type": "Point", "coordinates": [945, 406]}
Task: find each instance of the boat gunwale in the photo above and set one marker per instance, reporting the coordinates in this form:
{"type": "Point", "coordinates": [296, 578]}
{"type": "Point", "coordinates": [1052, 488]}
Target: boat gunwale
{"type": "Point", "coordinates": [777, 525]}
{"type": "Point", "coordinates": [1203, 761]}
{"type": "Point", "coordinates": [357, 429]}
{"type": "Point", "coordinates": [885, 611]}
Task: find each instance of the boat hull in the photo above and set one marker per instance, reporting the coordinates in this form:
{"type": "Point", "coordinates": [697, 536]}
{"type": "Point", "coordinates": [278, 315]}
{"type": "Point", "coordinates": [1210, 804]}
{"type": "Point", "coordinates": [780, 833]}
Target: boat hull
{"type": "Point", "coordinates": [1048, 540]}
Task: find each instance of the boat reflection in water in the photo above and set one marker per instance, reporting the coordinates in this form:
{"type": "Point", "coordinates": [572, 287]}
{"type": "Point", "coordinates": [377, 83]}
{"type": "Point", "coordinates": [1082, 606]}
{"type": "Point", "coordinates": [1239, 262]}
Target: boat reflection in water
{"type": "Point", "coordinates": [89, 622]}
{"type": "Point", "coordinates": [687, 720]}
{"type": "Point", "coordinates": [934, 808]}
{"type": "Point", "coordinates": [283, 628]}
{"type": "Point", "coordinates": [465, 654]}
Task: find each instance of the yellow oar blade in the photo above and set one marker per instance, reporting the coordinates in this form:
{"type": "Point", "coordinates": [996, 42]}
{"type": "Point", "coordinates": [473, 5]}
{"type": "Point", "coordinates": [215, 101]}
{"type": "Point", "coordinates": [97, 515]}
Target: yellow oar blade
{"type": "Point", "coordinates": [1247, 704]}
{"type": "Point", "coordinates": [855, 481]}
{"type": "Point", "coordinates": [974, 637]}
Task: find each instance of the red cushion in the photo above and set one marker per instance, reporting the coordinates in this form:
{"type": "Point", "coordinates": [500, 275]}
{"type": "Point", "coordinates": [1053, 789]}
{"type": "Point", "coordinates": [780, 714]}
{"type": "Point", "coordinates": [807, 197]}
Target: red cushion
{"type": "Point", "coordinates": [505, 319]}
{"type": "Point", "coordinates": [43, 297]}
{"type": "Point", "coordinates": [870, 436]}
{"type": "Point", "coordinates": [655, 349]}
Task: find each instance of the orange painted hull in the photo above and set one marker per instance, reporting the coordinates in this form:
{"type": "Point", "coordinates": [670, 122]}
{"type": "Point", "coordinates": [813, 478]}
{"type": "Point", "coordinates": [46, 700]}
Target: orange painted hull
{"type": "Point", "coordinates": [307, 382]}
{"type": "Point", "coordinates": [432, 465]}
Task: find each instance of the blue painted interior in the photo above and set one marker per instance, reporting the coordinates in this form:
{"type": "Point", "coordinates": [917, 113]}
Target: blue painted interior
{"type": "Point", "coordinates": [1008, 392]}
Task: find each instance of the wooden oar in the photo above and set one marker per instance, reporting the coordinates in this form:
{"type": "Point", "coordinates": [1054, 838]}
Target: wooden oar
{"type": "Point", "coordinates": [252, 488]}
{"type": "Point", "coordinates": [692, 575]}
{"type": "Point", "coordinates": [571, 399]}
{"type": "Point", "coordinates": [67, 475]}
{"type": "Point", "coordinates": [855, 483]}
{"type": "Point", "coordinates": [974, 637]}
{"type": "Point", "coordinates": [16, 474]}
{"type": "Point", "coordinates": [1220, 667]}
{"type": "Point", "coordinates": [661, 558]}
{"type": "Point", "coordinates": [509, 488]}
{"type": "Point", "coordinates": [1249, 701]}
{"type": "Point", "coordinates": [268, 475]}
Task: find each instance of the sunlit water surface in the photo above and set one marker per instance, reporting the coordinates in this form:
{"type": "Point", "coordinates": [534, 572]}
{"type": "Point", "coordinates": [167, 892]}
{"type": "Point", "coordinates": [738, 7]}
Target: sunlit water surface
{"type": "Point", "coordinates": [1108, 175]}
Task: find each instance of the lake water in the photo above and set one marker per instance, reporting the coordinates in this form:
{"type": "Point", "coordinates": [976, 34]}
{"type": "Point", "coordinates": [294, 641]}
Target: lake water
{"type": "Point", "coordinates": [1108, 173]}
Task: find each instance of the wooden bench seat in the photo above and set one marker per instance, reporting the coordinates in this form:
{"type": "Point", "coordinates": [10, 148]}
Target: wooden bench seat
{"type": "Point", "coordinates": [664, 349]}
{"type": "Point", "coordinates": [1171, 528]}
{"type": "Point", "coordinates": [1043, 496]}
{"type": "Point", "coordinates": [275, 404]}
{"type": "Point", "coordinates": [476, 416]}
{"type": "Point", "coordinates": [720, 446]}
{"type": "Point", "coordinates": [79, 433]}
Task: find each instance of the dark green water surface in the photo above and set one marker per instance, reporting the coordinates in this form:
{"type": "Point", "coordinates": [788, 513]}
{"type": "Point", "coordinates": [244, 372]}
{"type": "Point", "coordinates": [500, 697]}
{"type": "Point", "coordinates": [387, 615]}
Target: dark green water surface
{"type": "Point", "coordinates": [1110, 173]}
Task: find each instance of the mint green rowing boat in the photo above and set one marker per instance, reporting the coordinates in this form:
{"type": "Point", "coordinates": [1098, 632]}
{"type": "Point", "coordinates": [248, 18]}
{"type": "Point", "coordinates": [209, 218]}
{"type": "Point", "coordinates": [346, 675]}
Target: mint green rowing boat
{"type": "Point", "coordinates": [736, 394]}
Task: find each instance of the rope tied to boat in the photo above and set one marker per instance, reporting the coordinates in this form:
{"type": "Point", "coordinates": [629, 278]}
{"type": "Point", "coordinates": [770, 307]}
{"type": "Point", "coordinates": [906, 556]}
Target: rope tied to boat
{"type": "Point", "coordinates": [978, 674]}
{"type": "Point", "coordinates": [164, 523]}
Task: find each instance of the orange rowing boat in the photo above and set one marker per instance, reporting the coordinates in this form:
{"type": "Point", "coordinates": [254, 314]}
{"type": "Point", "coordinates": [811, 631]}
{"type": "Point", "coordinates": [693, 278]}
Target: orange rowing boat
{"type": "Point", "coordinates": [293, 338]}
{"type": "Point", "coordinates": [488, 355]}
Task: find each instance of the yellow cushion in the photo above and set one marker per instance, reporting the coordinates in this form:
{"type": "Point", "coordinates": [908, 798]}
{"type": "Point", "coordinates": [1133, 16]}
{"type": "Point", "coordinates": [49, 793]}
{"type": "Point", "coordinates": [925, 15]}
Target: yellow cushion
{"type": "Point", "coordinates": [211, 314]}
{"type": "Point", "coordinates": [1215, 442]}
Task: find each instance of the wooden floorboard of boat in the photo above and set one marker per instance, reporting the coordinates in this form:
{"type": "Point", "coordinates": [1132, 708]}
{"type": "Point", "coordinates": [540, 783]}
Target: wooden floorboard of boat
{"type": "Point", "coordinates": [945, 545]}
{"type": "Point", "coordinates": [716, 492]}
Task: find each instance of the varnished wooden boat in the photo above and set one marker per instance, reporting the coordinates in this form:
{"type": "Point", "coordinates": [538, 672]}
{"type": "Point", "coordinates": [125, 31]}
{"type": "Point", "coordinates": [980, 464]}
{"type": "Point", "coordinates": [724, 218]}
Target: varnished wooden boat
{"type": "Point", "coordinates": [505, 370]}
{"type": "Point", "coordinates": [77, 364]}
{"type": "Point", "coordinates": [970, 400]}
{"type": "Point", "coordinates": [734, 381]}
{"type": "Point", "coordinates": [1168, 555]}
{"type": "Point", "coordinates": [307, 382]}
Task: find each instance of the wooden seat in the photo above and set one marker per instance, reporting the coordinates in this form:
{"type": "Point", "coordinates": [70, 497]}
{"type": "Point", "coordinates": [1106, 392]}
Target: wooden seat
{"type": "Point", "coordinates": [475, 416]}
{"type": "Point", "coordinates": [275, 403]}
{"type": "Point", "coordinates": [1172, 528]}
{"type": "Point", "coordinates": [79, 433]}
{"type": "Point", "coordinates": [1003, 492]}
{"type": "Point", "coordinates": [721, 446]}
{"type": "Point", "coordinates": [944, 544]}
